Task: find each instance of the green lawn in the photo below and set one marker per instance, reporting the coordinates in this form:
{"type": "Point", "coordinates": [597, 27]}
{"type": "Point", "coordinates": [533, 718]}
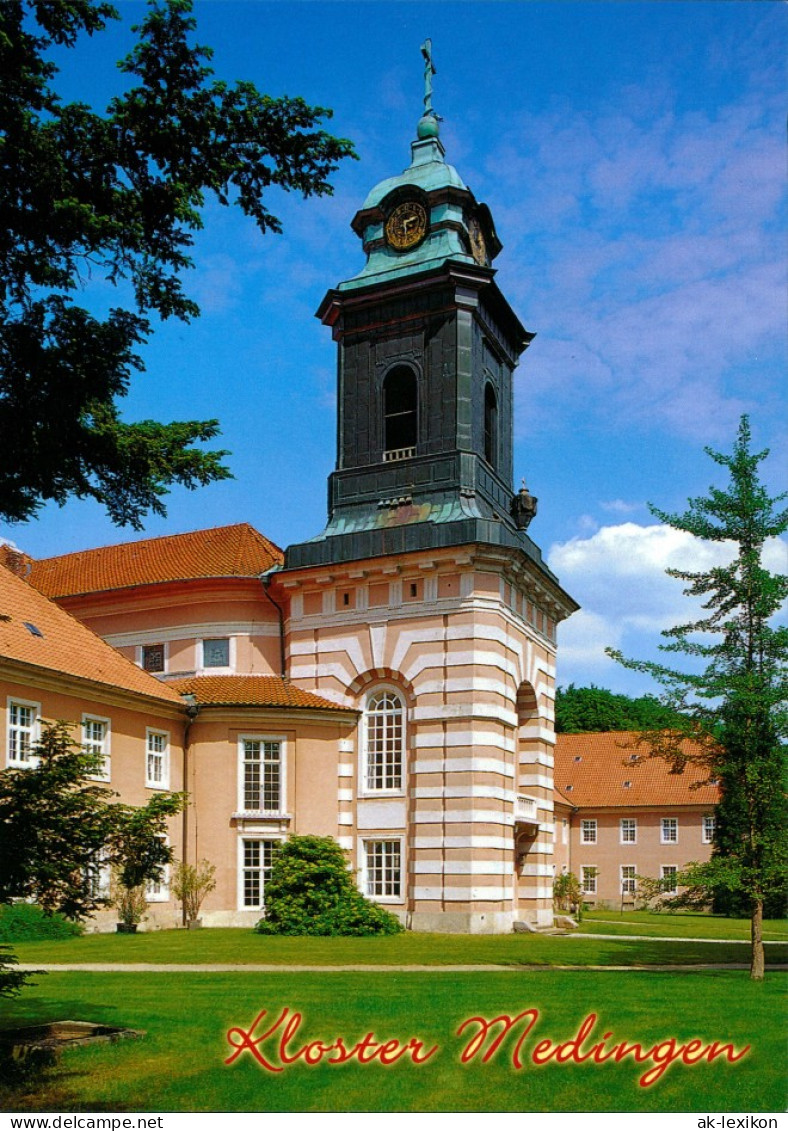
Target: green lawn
{"type": "Point", "coordinates": [179, 1066]}
{"type": "Point", "coordinates": [682, 924]}
{"type": "Point", "coordinates": [235, 945]}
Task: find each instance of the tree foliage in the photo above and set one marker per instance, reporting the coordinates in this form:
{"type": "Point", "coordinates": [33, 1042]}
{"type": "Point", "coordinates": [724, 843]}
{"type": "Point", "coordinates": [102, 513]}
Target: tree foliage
{"type": "Point", "coordinates": [58, 826]}
{"type": "Point", "coordinates": [311, 892]}
{"type": "Point", "coordinates": [191, 883]}
{"type": "Point", "coordinates": [568, 894]}
{"type": "Point", "coordinates": [118, 195]}
{"type": "Point", "coordinates": [580, 710]}
{"type": "Point", "coordinates": [735, 701]}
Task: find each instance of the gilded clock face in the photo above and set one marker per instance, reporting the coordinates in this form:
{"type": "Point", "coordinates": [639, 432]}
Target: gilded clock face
{"type": "Point", "coordinates": [406, 226]}
{"type": "Point", "coordinates": [478, 245]}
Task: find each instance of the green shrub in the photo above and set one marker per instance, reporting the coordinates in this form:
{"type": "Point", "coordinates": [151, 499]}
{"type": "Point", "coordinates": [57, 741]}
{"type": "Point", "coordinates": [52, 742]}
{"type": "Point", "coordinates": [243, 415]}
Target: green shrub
{"type": "Point", "coordinates": [20, 922]}
{"type": "Point", "coordinates": [311, 892]}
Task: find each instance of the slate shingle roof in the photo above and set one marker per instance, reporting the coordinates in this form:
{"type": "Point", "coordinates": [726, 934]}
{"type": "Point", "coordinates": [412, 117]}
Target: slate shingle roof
{"type": "Point", "coordinates": [224, 551]}
{"type": "Point", "coordinates": [34, 630]}
{"type": "Point", "coordinates": [591, 769]}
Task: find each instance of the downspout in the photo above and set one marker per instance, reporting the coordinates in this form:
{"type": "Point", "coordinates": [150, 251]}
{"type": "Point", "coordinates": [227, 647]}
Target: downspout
{"type": "Point", "coordinates": [192, 710]}
{"type": "Point", "coordinates": [265, 578]}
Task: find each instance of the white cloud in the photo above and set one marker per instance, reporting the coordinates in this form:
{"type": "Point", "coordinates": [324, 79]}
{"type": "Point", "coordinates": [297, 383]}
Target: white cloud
{"type": "Point", "coordinates": [621, 506]}
{"type": "Point", "coordinates": [627, 600]}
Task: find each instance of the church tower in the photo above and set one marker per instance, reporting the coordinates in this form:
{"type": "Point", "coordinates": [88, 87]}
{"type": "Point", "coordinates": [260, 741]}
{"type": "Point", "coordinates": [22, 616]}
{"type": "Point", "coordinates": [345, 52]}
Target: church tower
{"type": "Point", "coordinates": [424, 603]}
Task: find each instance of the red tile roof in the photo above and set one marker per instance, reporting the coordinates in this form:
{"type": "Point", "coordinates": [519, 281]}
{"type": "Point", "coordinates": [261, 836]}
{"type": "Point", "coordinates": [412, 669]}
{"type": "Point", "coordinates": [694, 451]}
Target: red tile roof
{"type": "Point", "coordinates": [34, 630]}
{"type": "Point", "coordinates": [591, 771]}
{"type": "Point", "coordinates": [250, 691]}
{"type": "Point", "coordinates": [224, 551]}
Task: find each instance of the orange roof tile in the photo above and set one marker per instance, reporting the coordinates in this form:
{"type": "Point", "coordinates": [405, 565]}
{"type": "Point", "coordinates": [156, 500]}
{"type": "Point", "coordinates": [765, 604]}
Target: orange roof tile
{"type": "Point", "coordinates": [591, 771]}
{"type": "Point", "coordinates": [250, 691]}
{"type": "Point", "coordinates": [34, 630]}
{"type": "Point", "coordinates": [224, 551]}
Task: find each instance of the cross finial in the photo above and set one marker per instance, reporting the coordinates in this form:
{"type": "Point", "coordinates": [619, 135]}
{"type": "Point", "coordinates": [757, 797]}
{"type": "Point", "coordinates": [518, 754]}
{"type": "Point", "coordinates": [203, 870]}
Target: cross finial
{"type": "Point", "coordinates": [429, 71]}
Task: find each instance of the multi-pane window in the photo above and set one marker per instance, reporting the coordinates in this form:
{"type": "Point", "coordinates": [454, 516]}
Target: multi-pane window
{"type": "Point", "coordinates": [158, 891]}
{"type": "Point", "coordinates": [384, 868]}
{"type": "Point", "coordinates": [668, 872]}
{"type": "Point", "coordinates": [153, 657]}
{"type": "Point", "coordinates": [262, 775]}
{"type": "Point", "coordinates": [22, 718]}
{"type": "Point", "coordinates": [95, 739]}
{"type": "Point", "coordinates": [157, 770]}
{"type": "Point", "coordinates": [670, 830]}
{"type": "Point", "coordinates": [628, 879]}
{"type": "Point", "coordinates": [216, 652]}
{"type": "Point", "coordinates": [629, 830]}
{"type": "Point", "coordinates": [97, 876]}
{"type": "Point", "coordinates": [588, 832]}
{"type": "Point", "coordinates": [257, 861]}
{"type": "Point", "coordinates": [708, 828]}
{"type": "Point", "coordinates": [588, 875]}
{"type": "Point", "coordinates": [384, 741]}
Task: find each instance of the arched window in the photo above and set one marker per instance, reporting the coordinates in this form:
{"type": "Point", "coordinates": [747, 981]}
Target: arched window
{"type": "Point", "coordinates": [384, 741]}
{"type": "Point", "coordinates": [400, 413]}
{"type": "Point", "coordinates": [490, 426]}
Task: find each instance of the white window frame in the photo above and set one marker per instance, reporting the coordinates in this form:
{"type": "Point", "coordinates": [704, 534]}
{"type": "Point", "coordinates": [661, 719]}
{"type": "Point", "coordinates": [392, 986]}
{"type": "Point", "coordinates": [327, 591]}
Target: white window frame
{"type": "Point", "coordinates": [588, 830]}
{"type": "Point", "coordinates": [158, 891]}
{"type": "Point", "coordinates": [281, 741]}
{"type": "Point", "coordinates": [629, 825]}
{"type": "Point", "coordinates": [244, 839]}
{"type": "Point", "coordinates": [664, 871]}
{"type": "Point", "coordinates": [165, 656]}
{"type": "Point", "coordinates": [217, 669]}
{"type": "Point", "coordinates": [364, 848]}
{"type": "Point", "coordinates": [589, 874]}
{"type": "Point", "coordinates": [98, 878]}
{"type": "Point", "coordinates": [150, 781]}
{"type": "Point", "coordinates": [104, 747]}
{"type": "Point", "coordinates": [708, 828]}
{"type": "Point", "coordinates": [674, 824]}
{"type": "Point", "coordinates": [625, 881]}
{"type": "Point", "coordinates": [365, 789]}
{"type": "Point", "coordinates": [30, 731]}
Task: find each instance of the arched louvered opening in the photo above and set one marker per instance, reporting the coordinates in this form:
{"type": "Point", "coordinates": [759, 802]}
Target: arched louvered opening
{"type": "Point", "coordinates": [400, 413]}
{"type": "Point", "coordinates": [490, 426]}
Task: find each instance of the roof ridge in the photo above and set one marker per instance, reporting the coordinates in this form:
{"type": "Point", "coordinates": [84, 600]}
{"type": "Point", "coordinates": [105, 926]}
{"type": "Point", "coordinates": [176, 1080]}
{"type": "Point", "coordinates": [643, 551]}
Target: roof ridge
{"type": "Point", "coordinates": [150, 538]}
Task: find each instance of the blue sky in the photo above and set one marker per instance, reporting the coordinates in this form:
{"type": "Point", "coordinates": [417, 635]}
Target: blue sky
{"type": "Point", "coordinates": [633, 158]}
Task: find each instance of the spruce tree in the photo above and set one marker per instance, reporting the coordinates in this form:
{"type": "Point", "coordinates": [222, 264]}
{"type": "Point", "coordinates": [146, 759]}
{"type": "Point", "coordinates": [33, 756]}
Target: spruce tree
{"type": "Point", "coordinates": [734, 702]}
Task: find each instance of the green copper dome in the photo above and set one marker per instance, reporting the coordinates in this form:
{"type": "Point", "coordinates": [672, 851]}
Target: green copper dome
{"type": "Point", "coordinates": [424, 217]}
{"type": "Point", "coordinates": [427, 170]}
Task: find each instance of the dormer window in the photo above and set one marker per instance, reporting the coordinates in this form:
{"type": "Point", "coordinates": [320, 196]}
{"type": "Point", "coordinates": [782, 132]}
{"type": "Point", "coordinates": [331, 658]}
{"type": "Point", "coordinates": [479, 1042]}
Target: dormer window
{"type": "Point", "coordinates": [400, 413]}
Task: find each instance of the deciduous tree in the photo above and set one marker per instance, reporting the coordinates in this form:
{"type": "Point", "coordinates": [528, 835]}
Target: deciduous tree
{"type": "Point", "coordinates": [582, 709]}
{"type": "Point", "coordinates": [58, 825]}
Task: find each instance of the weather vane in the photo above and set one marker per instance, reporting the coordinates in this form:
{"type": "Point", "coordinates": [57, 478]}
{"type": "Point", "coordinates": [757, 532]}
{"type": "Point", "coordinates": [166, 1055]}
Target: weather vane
{"type": "Point", "coordinates": [429, 71]}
